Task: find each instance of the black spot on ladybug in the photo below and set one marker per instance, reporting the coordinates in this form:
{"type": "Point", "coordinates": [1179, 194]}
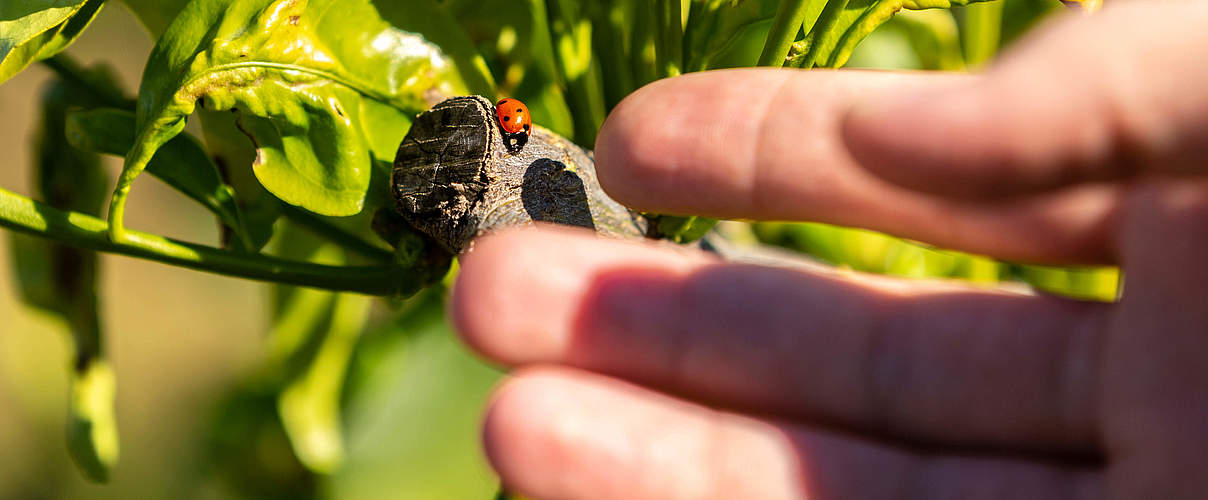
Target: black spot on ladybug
{"type": "Point", "coordinates": [507, 118]}
{"type": "Point", "coordinates": [526, 127]}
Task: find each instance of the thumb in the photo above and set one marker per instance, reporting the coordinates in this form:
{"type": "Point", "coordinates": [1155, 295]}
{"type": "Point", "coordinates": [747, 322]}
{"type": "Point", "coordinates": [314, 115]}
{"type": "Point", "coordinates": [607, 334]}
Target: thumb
{"type": "Point", "coordinates": [1090, 98]}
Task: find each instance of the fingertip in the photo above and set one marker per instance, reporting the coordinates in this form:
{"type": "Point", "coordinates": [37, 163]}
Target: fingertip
{"type": "Point", "coordinates": [544, 434]}
{"type": "Point", "coordinates": [684, 144]}
{"type": "Point", "coordinates": [472, 293]}
{"type": "Point", "coordinates": [512, 437]}
{"type": "Point", "coordinates": [635, 133]}
{"type": "Point", "coordinates": [500, 284]}
{"type": "Point", "coordinates": [562, 433]}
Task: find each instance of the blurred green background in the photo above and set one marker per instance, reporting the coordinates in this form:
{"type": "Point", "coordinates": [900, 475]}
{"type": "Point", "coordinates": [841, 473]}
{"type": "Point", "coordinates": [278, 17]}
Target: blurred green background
{"type": "Point", "coordinates": [196, 414]}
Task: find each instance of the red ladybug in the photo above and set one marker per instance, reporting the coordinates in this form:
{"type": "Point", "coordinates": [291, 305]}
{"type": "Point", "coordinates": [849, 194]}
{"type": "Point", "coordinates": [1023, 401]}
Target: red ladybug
{"type": "Point", "coordinates": [515, 121]}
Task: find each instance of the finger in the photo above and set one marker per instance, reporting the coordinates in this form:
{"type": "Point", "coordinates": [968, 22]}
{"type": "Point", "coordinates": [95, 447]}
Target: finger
{"type": "Point", "coordinates": [767, 144]}
{"type": "Point", "coordinates": [1092, 98]}
{"type": "Point", "coordinates": [557, 433]}
{"type": "Point", "coordinates": [1158, 378]}
{"type": "Point", "coordinates": [920, 361]}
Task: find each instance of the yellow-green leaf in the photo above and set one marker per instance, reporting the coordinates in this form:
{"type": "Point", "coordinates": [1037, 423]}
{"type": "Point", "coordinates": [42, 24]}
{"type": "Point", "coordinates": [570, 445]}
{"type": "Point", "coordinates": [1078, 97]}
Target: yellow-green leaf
{"type": "Point", "coordinates": [32, 30]}
{"type": "Point", "coordinates": [299, 74]}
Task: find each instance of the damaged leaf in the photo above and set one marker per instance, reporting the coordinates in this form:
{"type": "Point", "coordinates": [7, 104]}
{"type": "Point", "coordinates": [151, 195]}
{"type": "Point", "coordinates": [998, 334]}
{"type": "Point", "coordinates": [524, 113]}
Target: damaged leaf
{"type": "Point", "coordinates": [309, 87]}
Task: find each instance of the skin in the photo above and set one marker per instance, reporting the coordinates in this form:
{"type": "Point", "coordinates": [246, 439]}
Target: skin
{"type": "Point", "coordinates": [650, 372]}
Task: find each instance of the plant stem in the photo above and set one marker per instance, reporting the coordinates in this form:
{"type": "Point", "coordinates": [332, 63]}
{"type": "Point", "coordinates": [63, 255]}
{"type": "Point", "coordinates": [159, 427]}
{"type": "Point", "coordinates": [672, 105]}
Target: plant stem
{"type": "Point", "coordinates": [818, 33]}
{"type": "Point", "coordinates": [812, 14]}
{"type": "Point", "coordinates": [669, 42]}
{"type": "Point", "coordinates": [28, 216]}
{"type": "Point", "coordinates": [702, 21]}
{"type": "Point", "coordinates": [642, 46]}
{"type": "Point", "coordinates": [571, 34]}
{"type": "Point", "coordinates": [788, 21]}
{"type": "Point", "coordinates": [983, 28]}
{"type": "Point", "coordinates": [608, 40]}
{"type": "Point", "coordinates": [336, 234]}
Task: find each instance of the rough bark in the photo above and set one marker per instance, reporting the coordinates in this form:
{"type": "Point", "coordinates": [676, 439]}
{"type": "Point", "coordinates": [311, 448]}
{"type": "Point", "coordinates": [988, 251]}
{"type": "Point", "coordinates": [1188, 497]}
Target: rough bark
{"type": "Point", "coordinates": [454, 179]}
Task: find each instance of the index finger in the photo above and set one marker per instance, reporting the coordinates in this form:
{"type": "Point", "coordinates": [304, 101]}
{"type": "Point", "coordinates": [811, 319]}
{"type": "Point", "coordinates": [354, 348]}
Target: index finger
{"type": "Point", "coordinates": [768, 144]}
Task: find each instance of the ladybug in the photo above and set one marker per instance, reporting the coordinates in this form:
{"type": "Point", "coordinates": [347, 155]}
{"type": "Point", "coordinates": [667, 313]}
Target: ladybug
{"type": "Point", "coordinates": [515, 121]}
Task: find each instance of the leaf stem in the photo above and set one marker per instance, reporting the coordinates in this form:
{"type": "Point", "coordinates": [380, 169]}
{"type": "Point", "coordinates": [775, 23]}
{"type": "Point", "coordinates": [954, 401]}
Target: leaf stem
{"type": "Point", "coordinates": [788, 21]}
{"type": "Point", "coordinates": [608, 41]}
{"type": "Point", "coordinates": [817, 34]}
{"type": "Point", "coordinates": [571, 33]}
{"type": "Point", "coordinates": [642, 45]}
{"type": "Point", "coordinates": [669, 43]}
{"type": "Point", "coordinates": [336, 234]}
{"type": "Point", "coordinates": [983, 28]}
{"type": "Point", "coordinates": [22, 214]}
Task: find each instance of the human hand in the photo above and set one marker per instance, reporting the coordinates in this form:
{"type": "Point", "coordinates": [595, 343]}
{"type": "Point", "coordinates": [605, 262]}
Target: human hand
{"type": "Point", "coordinates": [666, 374]}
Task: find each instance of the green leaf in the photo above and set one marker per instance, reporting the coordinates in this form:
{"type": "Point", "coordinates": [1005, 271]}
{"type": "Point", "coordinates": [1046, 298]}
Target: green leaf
{"type": "Point", "coordinates": [416, 399]}
{"type": "Point", "coordinates": [435, 21]}
{"type": "Point", "coordinates": [231, 150]}
{"type": "Point", "coordinates": [869, 251]}
{"type": "Point", "coordinates": [1020, 16]}
{"type": "Point", "coordinates": [62, 279]}
{"type": "Point", "coordinates": [934, 37]}
{"type": "Point", "coordinates": [684, 229]}
{"type": "Point", "coordinates": [55, 277]}
{"type": "Point", "coordinates": [1086, 283]}
{"type": "Point", "coordinates": [247, 450]}
{"type": "Point", "coordinates": [715, 27]}
{"type": "Point", "coordinates": [91, 422]}
{"type": "Point", "coordinates": [610, 41]}
{"type": "Point", "coordinates": [181, 163]}
{"type": "Point", "coordinates": [309, 405]}
{"type": "Point", "coordinates": [515, 38]}
{"type": "Point", "coordinates": [669, 37]}
{"type": "Point", "coordinates": [913, 39]}
{"type": "Point", "coordinates": [300, 73]}
{"type": "Point", "coordinates": [32, 30]}
{"type": "Point", "coordinates": [982, 32]}
{"type": "Point", "coordinates": [790, 19]}
{"type": "Point", "coordinates": [832, 23]}
{"type": "Point", "coordinates": [642, 52]}
{"type": "Point", "coordinates": [70, 30]}
{"type": "Point", "coordinates": [155, 15]}
{"type": "Point", "coordinates": [539, 87]}
{"type": "Point", "coordinates": [577, 70]}
{"type": "Point", "coordinates": [31, 266]}
{"type": "Point", "coordinates": [310, 347]}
